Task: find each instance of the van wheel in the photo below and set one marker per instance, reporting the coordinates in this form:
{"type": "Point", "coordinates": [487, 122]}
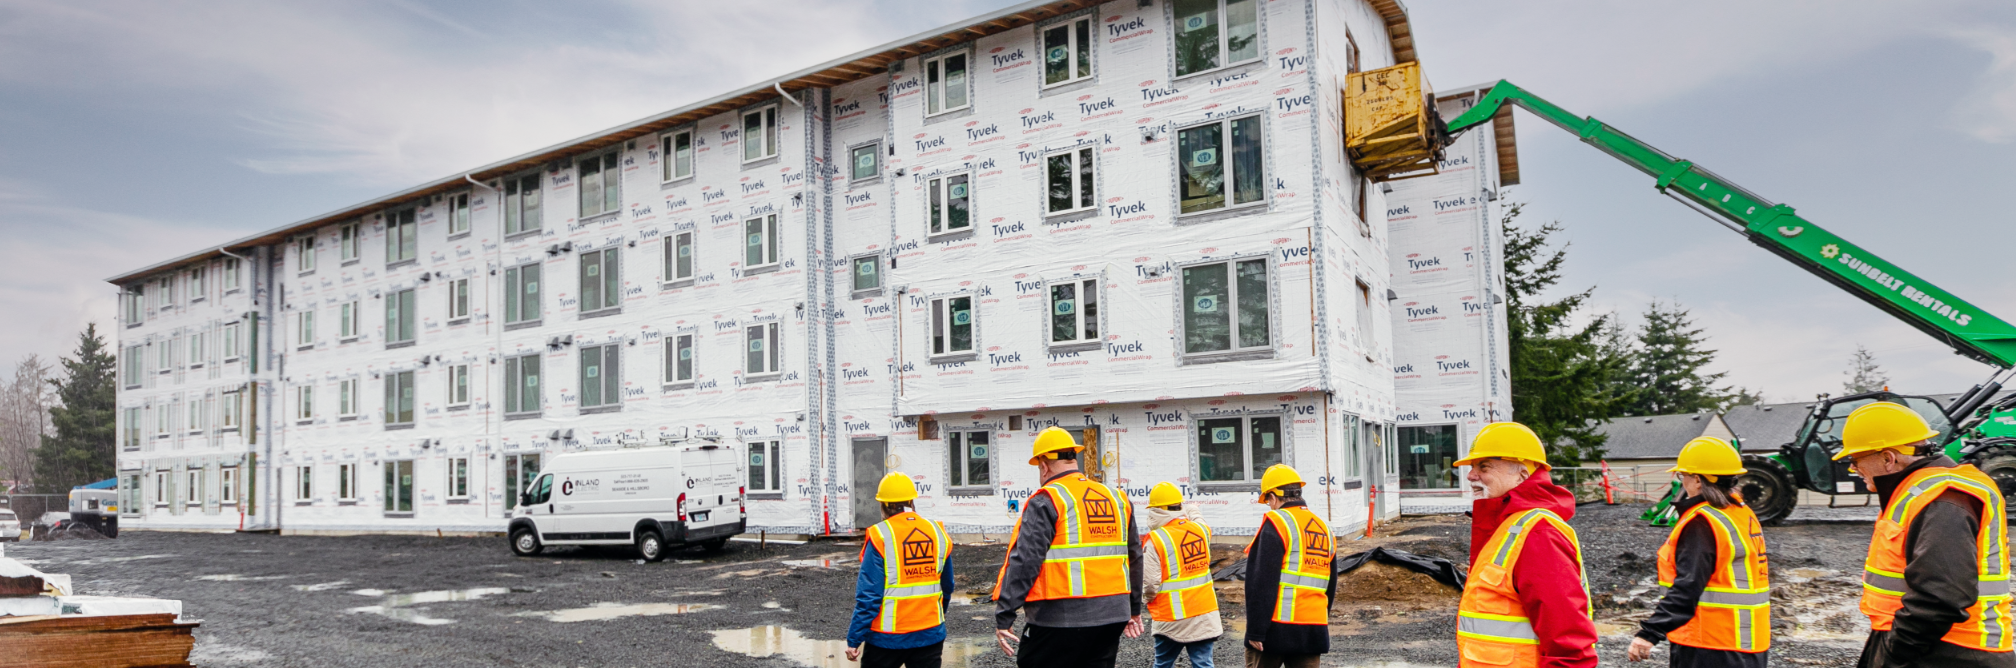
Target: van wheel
{"type": "Point", "coordinates": [524, 543]}
{"type": "Point", "coordinates": [650, 546]}
{"type": "Point", "coordinates": [715, 545]}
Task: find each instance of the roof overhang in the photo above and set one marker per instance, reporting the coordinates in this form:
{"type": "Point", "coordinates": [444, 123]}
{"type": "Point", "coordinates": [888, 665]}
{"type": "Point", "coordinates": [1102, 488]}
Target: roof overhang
{"type": "Point", "coordinates": [1398, 32]}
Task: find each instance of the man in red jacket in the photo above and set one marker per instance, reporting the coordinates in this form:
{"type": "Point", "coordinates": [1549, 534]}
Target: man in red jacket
{"type": "Point", "coordinates": [1525, 604]}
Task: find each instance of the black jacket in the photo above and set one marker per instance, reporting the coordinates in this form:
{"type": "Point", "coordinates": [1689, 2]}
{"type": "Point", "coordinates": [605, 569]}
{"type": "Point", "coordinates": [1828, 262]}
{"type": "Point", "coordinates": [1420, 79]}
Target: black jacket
{"type": "Point", "coordinates": [1263, 585]}
{"type": "Point", "coordinates": [1025, 562]}
{"type": "Point", "coordinates": [1940, 579]}
{"type": "Point", "coordinates": [1695, 557]}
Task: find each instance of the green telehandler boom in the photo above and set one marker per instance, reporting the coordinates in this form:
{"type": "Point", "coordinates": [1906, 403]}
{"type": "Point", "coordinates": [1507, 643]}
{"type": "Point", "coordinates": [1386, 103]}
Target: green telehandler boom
{"type": "Point", "coordinates": [1972, 429]}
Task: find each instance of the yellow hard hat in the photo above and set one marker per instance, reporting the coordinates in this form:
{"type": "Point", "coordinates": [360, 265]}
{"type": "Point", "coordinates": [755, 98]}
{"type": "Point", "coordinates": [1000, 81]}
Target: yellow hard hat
{"type": "Point", "coordinates": [1164, 494]}
{"type": "Point", "coordinates": [1709, 457]}
{"type": "Point", "coordinates": [896, 488]}
{"type": "Point", "coordinates": [1881, 426]}
{"type": "Point", "coordinates": [1276, 477]}
{"type": "Point", "coordinates": [1052, 441]}
{"type": "Point", "coordinates": [1507, 440]}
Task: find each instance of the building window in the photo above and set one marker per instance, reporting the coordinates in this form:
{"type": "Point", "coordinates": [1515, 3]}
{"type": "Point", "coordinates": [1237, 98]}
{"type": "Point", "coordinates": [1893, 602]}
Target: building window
{"type": "Point", "coordinates": [162, 417]}
{"type": "Point", "coordinates": [759, 134]}
{"type": "Point", "coordinates": [402, 236]}
{"type": "Point", "coordinates": [952, 321]}
{"type": "Point", "coordinates": [195, 424]}
{"type": "Point", "coordinates": [198, 353]}
{"type": "Point", "coordinates": [304, 483]}
{"type": "Point", "coordinates": [227, 479]}
{"type": "Point", "coordinates": [969, 458]}
{"type": "Point", "coordinates": [399, 486]}
{"type": "Point", "coordinates": [521, 294]}
{"type": "Point", "coordinates": [304, 403]}
{"type": "Point", "coordinates": [458, 385]}
{"type": "Point", "coordinates": [399, 398]}
{"type": "Point", "coordinates": [601, 184]}
{"type": "Point", "coordinates": [458, 300]}
{"type": "Point", "coordinates": [129, 429]}
{"type": "Point", "coordinates": [1067, 52]}
{"type": "Point", "coordinates": [601, 376]}
{"type": "Point", "coordinates": [161, 494]}
{"type": "Point", "coordinates": [458, 213]}
{"type": "Point", "coordinates": [1428, 457]}
{"type": "Point", "coordinates": [1225, 307]}
{"type": "Point", "coordinates": [1207, 171]}
{"type": "Point", "coordinates": [1215, 33]}
{"type": "Point", "coordinates": [1074, 311]}
{"type": "Point", "coordinates": [519, 471]}
{"type": "Point", "coordinates": [951, 203]}
{"type": "Point", "coordinates": [350, 242]}
{"type": "Point", "coordinates": [228, 413]}
{"type": "Point", "coordinates": [458, 478]}
{"type": "Point", "coordinates": [231, 341]}
{"type": "Point", "coordinates": [401, 319]}
{"type": "Point", "coordinates": [193, 495]}
{"type": "Point", "coordinates": [679, 257]}
{"type": "Point", "coordinates": [1367, 328]}
{"type": "Point", "coordinates": [129, 367]}
{"type": "Point", "coordinates": [677, 149]}
{"type": "Point", "coordinates": [1237, 449]}
{"type": "Point", "coordinates": [867, 275]}
{"type": "Point", "coordinates": [679, 359]}
{"type": "Point", "coordinates": [864, 162]}
{"type": "Point", "coordinates": [521, 386]}
{"type": "Point", "coordinates": [346, 398]}
{"type": "Point", "coordinates": [1354, 448]}
{"type": "Point", "coordinates": [304, 328]}
{"type": "Point", "coordinates": [304, 254]}
{"type": "Point", "coordinates": [761, 246]}
{"type": "Point", "coordinates": [763, 358]}
{"type": "Point", "coordinates": [135, 304]}
{"type": "Point", "coordinates": [601, 282]}
{"type": "Point", "coordinates": [199, 284]}
{"type": "Point", "coordinates": [346, 482]}
{"type": "Point", "coordinates": [521, 204]}
{"type": "Point", "coordinates": [230, 274]}
{"type": "Point", "coordinates": [164, 356]}
{"type": "Point", "coordinates": [346, 327]}
{"type": "Point", "coordinates": [945, 84]}
{"type": "Point", "coordinates": [164, 292]}
{"type": "Point", "coordinates": [1068, 181]}
{"type": "Point", "coordinates": [765, 467]}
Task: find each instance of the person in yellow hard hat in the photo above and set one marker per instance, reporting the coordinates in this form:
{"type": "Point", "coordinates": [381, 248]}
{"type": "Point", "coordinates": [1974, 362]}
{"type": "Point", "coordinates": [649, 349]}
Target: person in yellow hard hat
{"type": "Point", "coordinates": [1717, 607]}
{"type": "Point", "coordinates": [1177, 581]}
{"type": "Point", "coordinates": [1936, 582]}
{"type": "Point", "coordinates": [1526, 602]}
{"type": "Point", "coordinates": [1074, 563]}
{"type": "Point", "coordinates": [1288, 583]}
{"type": "Point", "coordinates": [904, 586]}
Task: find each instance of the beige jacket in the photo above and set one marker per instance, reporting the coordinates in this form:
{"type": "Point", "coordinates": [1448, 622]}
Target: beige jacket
{"type": "Point", "coordinates": [1202, 627]}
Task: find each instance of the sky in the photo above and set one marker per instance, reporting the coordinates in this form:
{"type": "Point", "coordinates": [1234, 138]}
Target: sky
{"type": "Point", "coordinates": [131, 132]}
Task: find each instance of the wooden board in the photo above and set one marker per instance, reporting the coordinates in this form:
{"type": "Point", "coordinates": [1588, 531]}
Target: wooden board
{"type": "Point", "coordinates": [112, 641]}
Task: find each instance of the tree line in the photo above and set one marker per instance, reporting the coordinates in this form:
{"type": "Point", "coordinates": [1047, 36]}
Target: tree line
{"type": "Point", "coordinates": [58, 423]}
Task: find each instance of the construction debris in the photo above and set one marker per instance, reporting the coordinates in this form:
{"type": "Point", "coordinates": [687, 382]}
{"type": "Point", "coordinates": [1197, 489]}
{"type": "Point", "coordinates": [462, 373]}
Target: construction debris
{"type": "Point", "coordinates": [44, 624]}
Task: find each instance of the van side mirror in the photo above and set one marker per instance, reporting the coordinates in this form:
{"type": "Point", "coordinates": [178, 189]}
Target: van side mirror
{"type": "Point", "coordinates": [524, 498]}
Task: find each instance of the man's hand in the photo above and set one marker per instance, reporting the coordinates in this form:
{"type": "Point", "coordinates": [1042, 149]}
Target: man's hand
{"type": "Point", "coordinates": [1004, 636]}
{"type": "Point", "coordinates": [1257, 647]}
{"type": "Point", "coordinates": [854, 653]}
{"type": "Point", "coordinates": [1134, 627]}
{"type": "Point", "coordinates": [1641, 649]}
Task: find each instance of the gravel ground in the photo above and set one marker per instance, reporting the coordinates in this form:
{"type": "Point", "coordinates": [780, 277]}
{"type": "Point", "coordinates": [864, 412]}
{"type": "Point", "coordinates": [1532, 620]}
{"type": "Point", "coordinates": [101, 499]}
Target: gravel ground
{"type": "Point", "coordinates": [396, 600]}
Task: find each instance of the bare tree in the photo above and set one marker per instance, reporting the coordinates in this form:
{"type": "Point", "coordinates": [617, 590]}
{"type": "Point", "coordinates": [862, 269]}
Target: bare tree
{"type": "Point", "coordinates": [1863, 374]}
{"type": "Point", "coordinates": [24, 420]}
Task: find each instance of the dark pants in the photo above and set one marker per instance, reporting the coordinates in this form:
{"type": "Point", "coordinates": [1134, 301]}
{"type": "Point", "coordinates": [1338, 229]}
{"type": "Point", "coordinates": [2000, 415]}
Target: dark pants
{"type": "Point", "coordinates": [1694, 657]}
{"type": "Point", "coordinates": [1258, 659]}
{"type": "Point", "coordinates": [1940, 654]}
{"type": "Point", "coordinates": [1066, 647]}
{"type": "Point", "coordinates": [927, 656]}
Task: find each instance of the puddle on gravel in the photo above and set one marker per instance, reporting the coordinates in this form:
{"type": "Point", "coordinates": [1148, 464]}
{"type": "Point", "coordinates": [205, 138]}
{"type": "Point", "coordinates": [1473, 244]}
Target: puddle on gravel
{"type": "Point", "coordinates": [369, 592]}
{"type": "Point", "coordinates": [325, 586]}
{"type": "Point", "coordinates": [396, 606]}
{"type": "Point", "coordinates": [787, 643]}
{"type": "Point", "coordinates": [814, 563]}
{"type": "Point", "coordinates": [404, 615]}
{"type": "Point", "coordinates": [115, 560]}
{"type": "Point", "coordinates": [234, 577]}
{"type": "Point", "coordinates": [605, 611]}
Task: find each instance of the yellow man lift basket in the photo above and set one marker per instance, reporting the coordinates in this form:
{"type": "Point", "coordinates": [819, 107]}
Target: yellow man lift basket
{"type": "Point", "coordinates": [1391, 128]}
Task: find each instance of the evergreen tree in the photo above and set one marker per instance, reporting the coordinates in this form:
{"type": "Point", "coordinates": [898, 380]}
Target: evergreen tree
{"type": "Point", "coordinates": [83, 448]}
{"type": "Point", "coordinates": [1863, 374]}
{"type": "Point", "coordinates": [1668, 367]}
{"type": "Point", "coordinates": [1561, 371]}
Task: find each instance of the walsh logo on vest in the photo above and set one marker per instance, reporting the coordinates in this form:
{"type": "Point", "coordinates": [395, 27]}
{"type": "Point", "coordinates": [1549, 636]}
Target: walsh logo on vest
{"type": "Point", "coordinates": [1100, 513]}
{"type": "Point", "coordinates": [920, 554]}
{"type": "Point", "coordinates": [1316, 538]}
{"type": "Point", "coordinates": [1194, 552]}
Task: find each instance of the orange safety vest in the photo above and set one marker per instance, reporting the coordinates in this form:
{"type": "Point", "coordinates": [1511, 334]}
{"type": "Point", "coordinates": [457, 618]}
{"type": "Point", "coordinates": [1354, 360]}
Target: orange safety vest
{"type": "Point", "coordinates": [1734, 612]}
{"type": "Point", "coordinates": [1305, 566]}
{"type": "Point", "coordinates": [1088, 552]}
{"type": "Point", "coordinates": [1185, 550]}
{"type": "Point", "coordinates": [1491, 625]}
{"type": "Point", "coordinates": [1988, 627]}
{"type": "Point", "coordinates": [911, 596]}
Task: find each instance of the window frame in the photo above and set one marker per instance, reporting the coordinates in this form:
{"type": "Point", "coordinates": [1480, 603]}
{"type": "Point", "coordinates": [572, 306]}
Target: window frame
{"type": "Point", "coordinates": [458, 480]}
{"type": "Point", "coordinates": [304, 483]}
{"type": "Point", "coordinates": [673, 242]}
{"type": "Point", "coordinates": [347, 404]}
{"type": "Point", "coordinates": [606, 161]}
{"type": "Point", "coordinates": [230, 407]}
{"type": "Point", "coordinates": [1235, 352]}
{"type": "Point", "coordinates": [130, 427]}
{"type": "Point", "coordinates": [230, 279]}
{"type": "Point", "coordinates": [394, 403]}
{"type": "Point", "coordinates": [874, 147]}
{"type": "Point", "coordinates": [164, 292]}
{"type": "Point", "coordinates": [304, 328]}
{"type": "Point", "coordinates": [770, 226]}
{"type": "Point", "coordinates": [925, 70]}
{"type": "Point", "coordinates": [161, 496]}
{"type": "Point", "coordinates": [459, 390]}
{"type": "Point", "coordinates": [938, 186]}
{"type": "Point", "coordinates": [350, 243]}
{"type": "Point", "coordinates": [399, 486]}
{"type": "Point", "coordinates": [668, 171]}
{"type": "Point", "coordinates": [195, 423]}
{"type": "Point", "coordinates": [772, 331]}
{"type": "Point", "coordinates": [198, 283]}
{"type": "Point", "coordinates": [132, 363]}
{"type": "Point", "coordinates": [134, 301]}
{"type": "Point", "coordinates": [958, 450]}
{"type": "Point", "coordinates": [1086, 194]}
{"type": "Point", "coordinates": [1081, 341]}
{"type": "Point", "coordinates": [402, 313]}
{"type": "Point", "coordinates": [609, 355]}
{"type": "Point", "coordinates": [232, 337]}
{"type": "Point", "coordinates": [855, 291]}
{"type": "Point", "coordinates": [1401, 449]}
{"type": "Point", "coordinates": [608, 264]}
{"type": "Point", "coordinates": [514, 374]}
{"type": "Point", "coordinates": [1283, 432]}
{"type": "Point", "coordinates": [671, 379]}
{"type": "Point", "coordinates": [348, 323]}
{"type": "Point", "coordinates": [397, 251]}
{"type": "Point", "coordinates": [1072, 39]}
{"type": "Point", "coordinates": [939, 311]}
{"type": "Point", "coordinates": [1228, 177]}
{"type": "Point", "coordinates": [304, 403]}
{"type": "Point", "coordinates": [227, 485]}
{"type": "Point", "coordinates": [346, 482]}
{"type": "Point", "coordinates": [196, 488]}
{"type": "Point", "coordinates": [515, 295]}
{"type": "Point", "coordinates": [772, 134]}
{"type": "Point", "coordinates": [304, 255]}
{"type": "Point", "coordinates": [512, 196]}
{"type": "Point", "coordinates": [460, 214]}
{"type": "Point", "coordinates": [198, 348]}
{"type": "Point", "coordinates": [773, 464]}
{"type": "Point", "coordinates": [460, 300]}
{"type": "Point", "coordinates": [1224, 48]}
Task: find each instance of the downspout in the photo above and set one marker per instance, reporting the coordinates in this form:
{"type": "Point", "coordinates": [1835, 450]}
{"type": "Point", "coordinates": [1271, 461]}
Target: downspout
{"type": "Point", "coordinates": [779, 85]}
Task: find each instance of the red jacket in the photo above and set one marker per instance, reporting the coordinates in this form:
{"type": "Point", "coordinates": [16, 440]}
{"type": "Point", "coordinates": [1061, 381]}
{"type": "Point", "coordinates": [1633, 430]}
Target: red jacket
{"type": "Point", "coordinates": [1546, 577]}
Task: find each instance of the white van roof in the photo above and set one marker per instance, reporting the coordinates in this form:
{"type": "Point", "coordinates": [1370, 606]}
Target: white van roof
{"type": "Point", "coordinates": [606, 457]}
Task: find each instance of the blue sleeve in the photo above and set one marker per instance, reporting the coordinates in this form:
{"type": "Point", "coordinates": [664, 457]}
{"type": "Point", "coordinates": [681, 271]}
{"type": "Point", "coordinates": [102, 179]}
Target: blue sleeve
{"type": "Point", "coordinates": [945, 580]}
{"type": "Point", "coordinates": [867, 595]}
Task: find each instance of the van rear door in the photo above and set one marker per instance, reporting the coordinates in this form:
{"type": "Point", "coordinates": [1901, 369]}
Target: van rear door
{"type": "Point", "coordinates": [713, 498]}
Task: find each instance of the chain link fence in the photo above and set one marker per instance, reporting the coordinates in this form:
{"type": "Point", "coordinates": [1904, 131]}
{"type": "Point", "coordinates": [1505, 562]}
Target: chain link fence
{"type": "Point", "coordinates": [30, 507]}
{"type": "Point", "coordinates": [1628, 484]}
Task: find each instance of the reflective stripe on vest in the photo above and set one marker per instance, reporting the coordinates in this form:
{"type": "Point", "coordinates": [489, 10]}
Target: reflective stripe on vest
{"type": "Point", "coordinates": [1988, 626]}
{"type": "Point", "coordinates": [1088, 554]}
{"type": "Point", "coordinates": [911, 577]}
{"type": "Point", "coordinates": [1182, 596]}
{"type": "Point", "coordinates": [1734, 610]}
{"type": "Point", "coordinates": [1491, 628]}
{"type": "Point", "coordinates": [1303, 597]}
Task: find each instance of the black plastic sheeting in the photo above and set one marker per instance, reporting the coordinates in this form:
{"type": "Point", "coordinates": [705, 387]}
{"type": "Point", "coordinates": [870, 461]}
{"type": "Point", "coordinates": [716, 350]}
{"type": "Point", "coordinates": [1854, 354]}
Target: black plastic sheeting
{"type": "Point", "coordinates": [1443, 570]}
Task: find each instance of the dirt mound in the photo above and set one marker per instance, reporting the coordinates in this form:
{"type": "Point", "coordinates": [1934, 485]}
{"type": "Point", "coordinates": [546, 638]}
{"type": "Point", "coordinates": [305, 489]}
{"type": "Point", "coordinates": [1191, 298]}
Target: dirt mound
{"type": "Point", "coordinates": [1382, 583]}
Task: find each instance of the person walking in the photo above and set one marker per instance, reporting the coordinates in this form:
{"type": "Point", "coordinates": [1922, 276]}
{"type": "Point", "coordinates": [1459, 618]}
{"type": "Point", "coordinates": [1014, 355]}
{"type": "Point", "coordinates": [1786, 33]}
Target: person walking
{"type": "Point", "coordinates": [1074, 563]}
{"type": "Point", "coordinates": [1936, 582]}
{"type": "Point", "coordinates": [1526, 602]}
{"type": "Point", "coordinates": [904, 586]}
{"type": "Point", "coordinates": [1288, 582]}
{"type": "Point", "coordinates": [1717, 607]}
{"type": "Point", "coordinates": [1177, 581]}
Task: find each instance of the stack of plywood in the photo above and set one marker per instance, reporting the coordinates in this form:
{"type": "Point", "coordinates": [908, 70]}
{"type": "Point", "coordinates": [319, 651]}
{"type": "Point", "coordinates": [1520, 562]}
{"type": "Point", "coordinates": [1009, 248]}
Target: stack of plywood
{"type": "Point", "coordinates": [43, 625]}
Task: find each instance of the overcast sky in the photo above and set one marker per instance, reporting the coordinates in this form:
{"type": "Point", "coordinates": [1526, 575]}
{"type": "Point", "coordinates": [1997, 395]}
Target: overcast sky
{"type": "Point", "coordinates": [135, 131]}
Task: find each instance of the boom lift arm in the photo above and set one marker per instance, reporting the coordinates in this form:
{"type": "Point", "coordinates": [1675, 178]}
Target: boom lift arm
{"type": "Point", "coordinates": [1969, 330]}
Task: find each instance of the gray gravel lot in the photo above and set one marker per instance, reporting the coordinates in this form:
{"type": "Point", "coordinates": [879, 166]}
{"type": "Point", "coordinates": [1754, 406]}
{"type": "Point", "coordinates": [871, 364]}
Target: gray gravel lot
{"type": "Point", "coordinates": [400, 600]}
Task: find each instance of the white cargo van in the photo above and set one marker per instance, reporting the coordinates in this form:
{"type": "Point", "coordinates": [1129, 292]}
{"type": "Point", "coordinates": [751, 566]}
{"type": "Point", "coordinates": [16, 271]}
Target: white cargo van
{"type": "Point", "coordinates": [650, 497]}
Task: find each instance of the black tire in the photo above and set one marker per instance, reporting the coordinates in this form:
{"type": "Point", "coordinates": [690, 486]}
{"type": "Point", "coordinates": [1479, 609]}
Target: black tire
{"type": "Point", "coordinates": [650, 545]}
{"type": "Point", "coordinates": [1767, 488]}
{"type": "Point", "coordinates": [715, 545]}
{"type": "Point", "coordinates": [1999, 464]}
{"type": "Point", "coordinates": [525, 542]}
